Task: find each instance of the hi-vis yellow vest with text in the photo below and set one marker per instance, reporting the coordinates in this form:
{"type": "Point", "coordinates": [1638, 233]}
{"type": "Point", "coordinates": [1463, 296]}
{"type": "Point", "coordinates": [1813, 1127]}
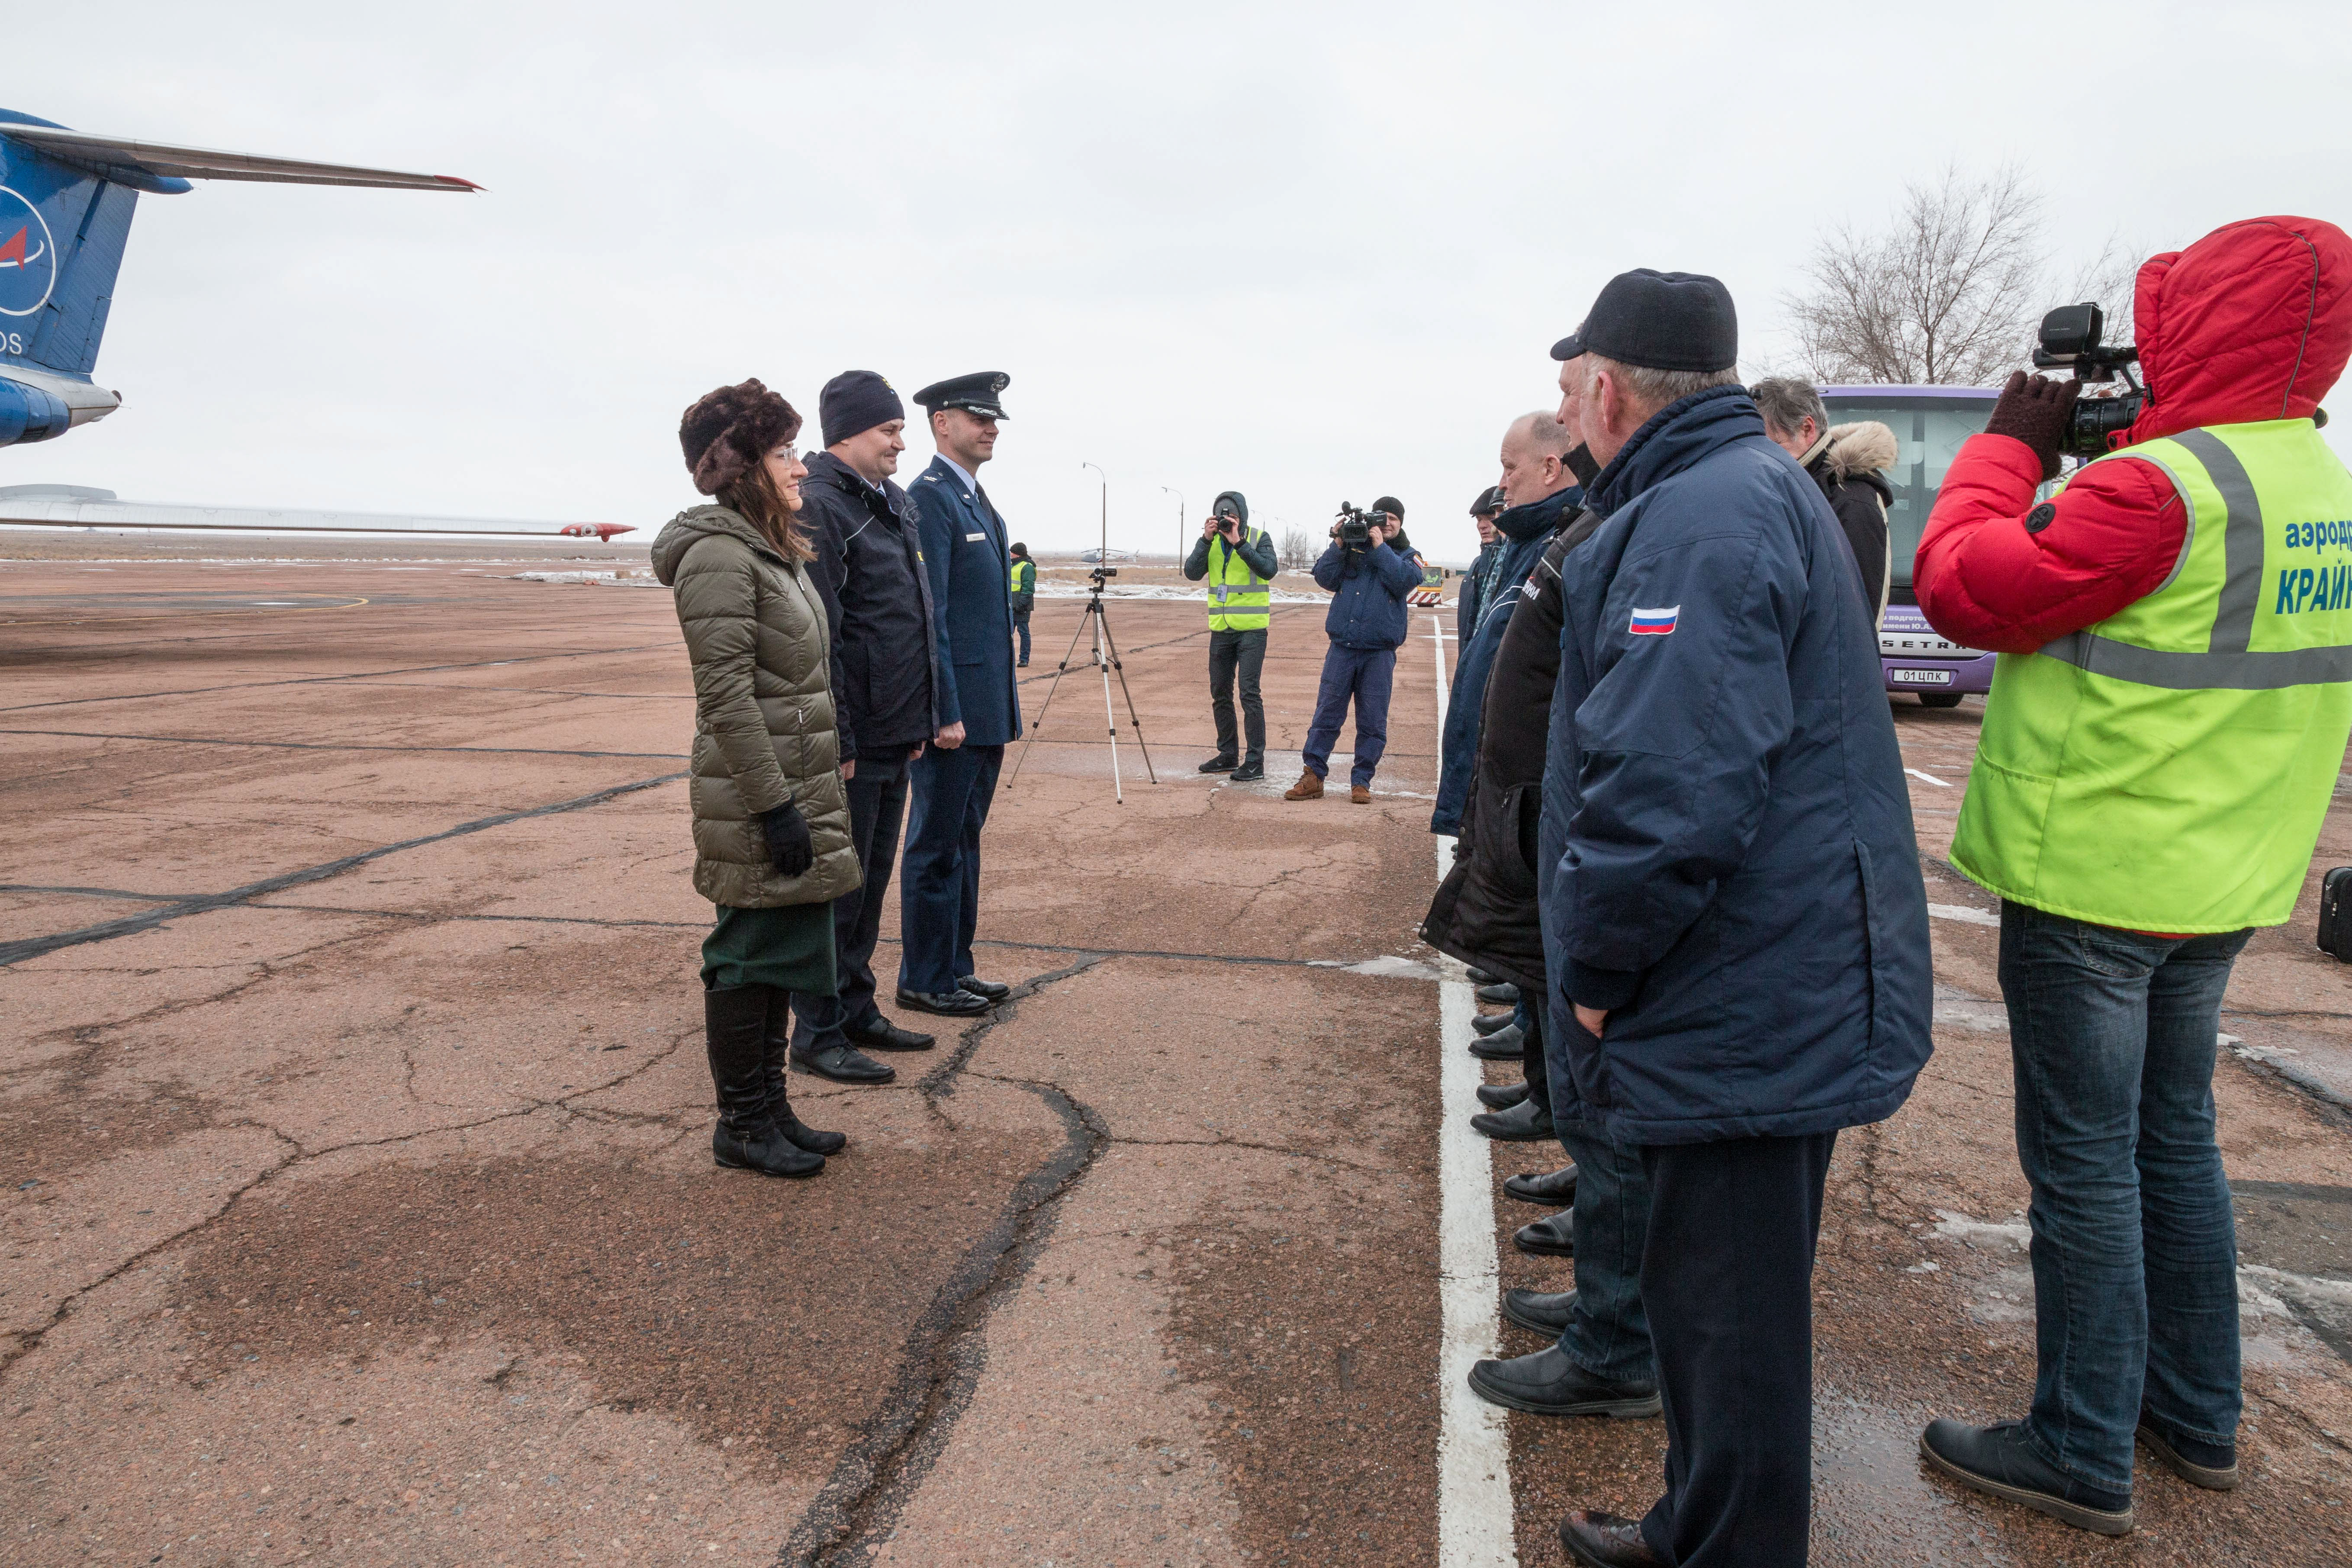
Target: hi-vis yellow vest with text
{"type": "Point", "coordinates": [1239, 600]}
{"type": "Point", "coordinates": [2168, 769]}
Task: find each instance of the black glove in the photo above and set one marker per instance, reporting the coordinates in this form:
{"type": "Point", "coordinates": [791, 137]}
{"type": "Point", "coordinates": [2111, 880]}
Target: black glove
{"type": "Point", "coordinates": [790, 848]}
{"type": "Point", "coordinates": [2036, 411]}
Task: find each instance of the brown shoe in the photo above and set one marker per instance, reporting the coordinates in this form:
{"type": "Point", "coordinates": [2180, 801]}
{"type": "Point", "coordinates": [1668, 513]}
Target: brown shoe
{"type": "Point", "coordinates": [1593, 1538]}
{"type": "Point", "coordinates": [1360, 794]}
{"type": "Point", "coordinates": [1308, 787]}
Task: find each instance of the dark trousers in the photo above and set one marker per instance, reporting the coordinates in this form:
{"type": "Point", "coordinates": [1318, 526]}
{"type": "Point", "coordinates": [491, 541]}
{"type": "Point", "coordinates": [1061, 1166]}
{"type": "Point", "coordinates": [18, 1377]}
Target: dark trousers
{"type": "Point", "coordinates": [1727, 1280]}
{"type": "Point", "coordinates": [877, 804]}
{"type": "Point", "coordinates": [2135, 1249]}
{"type": "Point", "coordinates": [1362, 675]}
{"type": "Point", "coordinates": [938, 893]}
{"type": "Point", "coordinates": [1608, 1332]}
{"type": "Point", "coordinates": [1528, 1016]}
{"type": "Point", "coordinates": [1242, 653]}
{"type": "Point", "coordinates": [1021, 632]}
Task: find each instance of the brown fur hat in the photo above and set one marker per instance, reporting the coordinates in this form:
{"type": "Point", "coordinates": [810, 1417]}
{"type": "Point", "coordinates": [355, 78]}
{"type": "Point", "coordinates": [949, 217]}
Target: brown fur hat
{"type": "Point", "coordinates": [727, 432]}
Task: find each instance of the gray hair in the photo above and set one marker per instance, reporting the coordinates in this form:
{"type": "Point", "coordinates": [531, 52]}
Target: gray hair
{"type": "Point", "coordinates": [1787, 403]}
{"type": "Point", "coordinates": [1653, 389]}
{"type": "Point", "coordinates": [1546, 437]}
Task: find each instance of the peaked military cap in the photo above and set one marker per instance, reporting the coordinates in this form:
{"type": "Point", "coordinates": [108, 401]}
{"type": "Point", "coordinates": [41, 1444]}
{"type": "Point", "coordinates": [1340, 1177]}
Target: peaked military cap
{"type": "Point", "coordinates": [976, 394]}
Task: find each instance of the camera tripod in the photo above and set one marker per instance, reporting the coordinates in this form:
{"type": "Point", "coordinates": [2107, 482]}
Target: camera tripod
{"type": "Point", "coordinates": [1104, 656]}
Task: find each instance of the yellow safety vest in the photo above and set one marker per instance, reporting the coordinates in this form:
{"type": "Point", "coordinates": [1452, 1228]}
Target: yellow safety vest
{"type": "Point", "coordinates": [1239, 599]}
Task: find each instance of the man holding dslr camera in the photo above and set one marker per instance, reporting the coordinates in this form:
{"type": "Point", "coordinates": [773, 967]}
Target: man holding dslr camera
{"type": "Point", "coordinates": [1238, 560]}
{"type": "Point", "coordinates": [1368, 582]}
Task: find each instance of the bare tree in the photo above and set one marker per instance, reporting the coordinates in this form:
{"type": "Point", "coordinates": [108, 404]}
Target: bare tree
{"type": "Point", "coordinates": [1298, 552]}
{"type": "Point", "coordinates": [1947, 297]}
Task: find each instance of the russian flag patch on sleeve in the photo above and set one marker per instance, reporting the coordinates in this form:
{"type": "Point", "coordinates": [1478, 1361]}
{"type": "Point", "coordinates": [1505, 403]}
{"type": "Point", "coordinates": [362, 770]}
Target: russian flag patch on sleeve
{"type": "Point", "coordinates": [1655, 622]}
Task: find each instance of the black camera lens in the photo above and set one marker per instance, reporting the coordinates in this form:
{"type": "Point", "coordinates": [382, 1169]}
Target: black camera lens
{"type": "Point", "coordinates": [2097, 418]}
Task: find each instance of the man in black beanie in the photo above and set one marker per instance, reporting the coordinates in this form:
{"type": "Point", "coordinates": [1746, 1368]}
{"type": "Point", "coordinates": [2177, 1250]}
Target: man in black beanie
{"type": "Point", "coordinates": [877, 602]}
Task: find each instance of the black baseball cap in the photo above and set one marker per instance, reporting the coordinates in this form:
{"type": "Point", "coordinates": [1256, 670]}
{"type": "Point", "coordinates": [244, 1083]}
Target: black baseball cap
{"type": "Point", "coordinates": [1490, 499]}
{"type": "Point", "coordinates": [1660, 320]}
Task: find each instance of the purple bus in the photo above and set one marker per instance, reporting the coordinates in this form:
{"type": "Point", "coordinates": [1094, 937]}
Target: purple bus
{"type": "Point", "coordinates": [1929, 423]}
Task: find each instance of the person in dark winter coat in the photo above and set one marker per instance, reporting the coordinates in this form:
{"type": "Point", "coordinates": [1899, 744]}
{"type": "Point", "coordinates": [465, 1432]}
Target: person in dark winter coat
{"type": "Point", "coordinates": [1736, 929]}
{"type": "Point", "coordinates": [1366, 624]}
{"type": "Point", "coordinates": [877, 600]}
{"type": "Point", "coordinates": [772, 842]}
{"type": "Point", "coordinates": [1849, 462]}
{"type": "Point", "coordinates": [1471, 600]}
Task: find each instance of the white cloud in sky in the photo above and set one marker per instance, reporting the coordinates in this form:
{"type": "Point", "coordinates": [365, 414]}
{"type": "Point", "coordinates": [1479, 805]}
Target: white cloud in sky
{"type": "Point", "coordinates": [1306, 252]}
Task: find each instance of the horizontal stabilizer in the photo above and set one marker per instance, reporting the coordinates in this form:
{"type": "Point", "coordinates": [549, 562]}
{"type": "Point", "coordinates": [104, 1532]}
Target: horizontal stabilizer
{"type": "Point", "coordinates": [77, 506]}
{"type": "Point", "coordinates": [141, 164]}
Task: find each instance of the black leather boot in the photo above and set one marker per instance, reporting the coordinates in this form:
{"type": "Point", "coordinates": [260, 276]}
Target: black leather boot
{"type": "Point", "coordinates": [1503, 1045]}
{"type": "Point", "coordinates": [1502, 1096]}
{"type": "Point", "coordinates": [735, 1030]}
{"type": "Point", "coordinates": [1493, 1022]}
{"type": "Point", "coordinates": [1530, 1121]}
{"type": "Point", "coordinates": [774, 1050]}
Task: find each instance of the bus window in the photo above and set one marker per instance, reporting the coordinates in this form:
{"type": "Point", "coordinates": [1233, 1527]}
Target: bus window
{"type": "Point", "coordinates": [1928, 430]}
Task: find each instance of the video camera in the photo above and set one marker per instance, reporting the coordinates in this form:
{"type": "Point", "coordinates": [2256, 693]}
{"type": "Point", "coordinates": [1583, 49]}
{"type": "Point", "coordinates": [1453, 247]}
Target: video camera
{"type": "Point", "coordinates": [2070, 340]}
{"type": "Point", "coordinates": [1356, 525]}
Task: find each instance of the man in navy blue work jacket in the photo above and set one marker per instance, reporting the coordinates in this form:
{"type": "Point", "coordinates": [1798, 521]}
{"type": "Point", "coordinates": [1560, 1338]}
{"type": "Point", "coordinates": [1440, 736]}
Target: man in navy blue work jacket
{"type": "Point", "coordinates": [965, 554]}
{"type": "Point", "coordinates": [1368, 583]}
{"type": "Point", "coordinates": [1735, 930]}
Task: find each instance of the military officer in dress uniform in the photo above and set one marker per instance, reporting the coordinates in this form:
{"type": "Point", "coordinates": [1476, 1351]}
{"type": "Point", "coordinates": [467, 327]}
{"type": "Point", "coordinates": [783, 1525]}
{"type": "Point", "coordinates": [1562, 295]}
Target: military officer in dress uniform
{"type": "Point", "coordinates": [965, 554]}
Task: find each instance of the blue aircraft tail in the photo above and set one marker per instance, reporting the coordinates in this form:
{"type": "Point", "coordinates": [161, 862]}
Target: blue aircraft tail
{"type": "Point", "coordinates": [62, 231]}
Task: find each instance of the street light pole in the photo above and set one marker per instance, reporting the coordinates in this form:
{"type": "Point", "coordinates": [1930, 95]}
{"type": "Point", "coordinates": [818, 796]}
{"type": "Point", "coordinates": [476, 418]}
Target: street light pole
{"type": "Point", "coordinates": [1180, 521]}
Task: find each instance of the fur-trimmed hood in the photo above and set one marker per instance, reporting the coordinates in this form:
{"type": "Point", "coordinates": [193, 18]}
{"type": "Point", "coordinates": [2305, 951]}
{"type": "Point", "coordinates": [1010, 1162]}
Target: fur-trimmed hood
{"type": "Point", "coordinates": [1866, 446]}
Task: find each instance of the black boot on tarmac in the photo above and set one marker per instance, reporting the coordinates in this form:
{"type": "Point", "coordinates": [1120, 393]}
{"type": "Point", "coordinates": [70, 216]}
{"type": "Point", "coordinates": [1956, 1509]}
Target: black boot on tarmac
{"type": "Point", "coordinates": [1250, 772]}
{"type": "Point", "coordinates": [947, 1003]}
{"type": "Point", "coordinates": [1219, 764]}
{"type": "Point", "coordinates": [1553, 1189]}
{"type": "Point", "coordinates": [1502, 1096]}
{"type": "Point", "coordinates": [844, 1064]}
{"type": "Point", "coordinates": [1494, 1023]}
{"type": "Point", "coordinates": [1554, 1235]}
{"type": "Point", "coordinates": [2214, 1466]}
{"type": "Point", "coordinates": [1526, 1122]}
{"type": "Point", "coordinates": [735, 1030]}
{"type": "Point", "coordinates": [1547, 1384]}
{"type": "Point", "coordinates": [1477, 976]}
{"type": "Point", "coordinates": [1544, 1312]}
{"type": "Point", "coordinates": [1502, 1046]}
{"type": "Point", "coordinates": [773, 1052]}
{"type": "Point", "coordinates": [1996, 1459]}
{"type": "Point", "coordinates": [882, 1035]}
{"type": "Point", "coordinates": [1502, 993]}
{"type": "Point", "coordinates": [1596, 1540]}
{"type": "Point", "coordinates": [989, 991]}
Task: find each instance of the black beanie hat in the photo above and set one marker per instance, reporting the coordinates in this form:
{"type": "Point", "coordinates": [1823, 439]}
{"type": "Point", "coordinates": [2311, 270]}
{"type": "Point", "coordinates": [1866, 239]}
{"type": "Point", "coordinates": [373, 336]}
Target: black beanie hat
{"type": "Point", "coordinates": [1390, 505]}
{"type": "Point", "coordinates": [854, 403]}
{"type": "Point", "coordinates": [1021, 551]}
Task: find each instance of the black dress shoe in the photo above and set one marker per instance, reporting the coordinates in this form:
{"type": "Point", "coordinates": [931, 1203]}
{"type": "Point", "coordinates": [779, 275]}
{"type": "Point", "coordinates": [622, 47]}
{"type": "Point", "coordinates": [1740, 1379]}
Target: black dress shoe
{"type": "Point", "coordinates": [1530, 1121]}
{"type": "Point", "coordinates": [949, 1005]}
{"type": "Point", "coordinates": [1542, 1313]}
{"type": "Point", "coordinates": [1554, 1235]}
{"type": "Point", "coordinates": [989, 991]}
{"type": "Point", "coordinates": [1547, 1384]}
{"type": "Point", "coordinates": [844, 1064]}
{"type": "Point", "coordinates": [1553, 1189]}
{"type": "Point", "coordinates": [1502, 1096]}
{"type": "Point", "coordinates": [1218, 765]}
{"type": "Point", "coordinates": [1996, 1459]}
{"type": "Point", "coordinates": [1502, 1046]}
{"type": "Point", "coordinates": [2213, 1466]}
{"type": "Point", "coordinates": [882, 1035]}
{"type": "Point", "coordinates": [1502, 993]}
{"type": "Point", "coordinates": [1477, 976]}
{"type": "Point", "coordinates": [1494, 1023]}
{"type": "Point", "coordinates": [1596, 1540]}
{"type": "Point", "coordinates": [1249, 772]}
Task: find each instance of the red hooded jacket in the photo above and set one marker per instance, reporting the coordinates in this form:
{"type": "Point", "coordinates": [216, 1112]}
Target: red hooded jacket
{"type": "Point", "coordinates": [2251, 323]}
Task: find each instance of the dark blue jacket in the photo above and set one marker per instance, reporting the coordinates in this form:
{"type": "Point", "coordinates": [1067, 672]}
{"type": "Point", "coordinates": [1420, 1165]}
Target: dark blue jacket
{"type": "Point", "coordinates": [964, 549]}
{"type": "Point", "coordinates": [1526, 531]}
{"type": "Point", "coordinates": [1477, 583]}
{"type": "Point", "coordinates": [1368, 591]}
{"type": "Point", "coordinates": [1736, 876]}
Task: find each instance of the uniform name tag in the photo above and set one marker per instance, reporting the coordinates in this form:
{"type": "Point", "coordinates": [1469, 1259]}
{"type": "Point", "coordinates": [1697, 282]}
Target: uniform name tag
{"type": "Point", "coordinates": [973, 538]}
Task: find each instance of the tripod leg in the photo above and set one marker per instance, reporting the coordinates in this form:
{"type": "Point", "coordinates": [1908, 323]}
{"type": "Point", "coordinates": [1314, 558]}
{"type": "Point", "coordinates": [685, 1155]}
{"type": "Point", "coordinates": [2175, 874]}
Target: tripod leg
{"type": "Point", "coordinates": [1039, 722]}
{"type": "Point", "coordinates": [1110, 720]}
{"type": "Point", "coordinates": [1131, 716]}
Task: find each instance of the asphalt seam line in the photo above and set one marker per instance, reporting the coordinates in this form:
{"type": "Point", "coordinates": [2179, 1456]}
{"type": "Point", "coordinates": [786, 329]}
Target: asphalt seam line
{"type": "Point", "coordinates": [1476, 1527]}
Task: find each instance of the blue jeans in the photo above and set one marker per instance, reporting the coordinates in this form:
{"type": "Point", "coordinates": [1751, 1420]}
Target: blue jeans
{"type": "Point", "coordinates": [2135, 1253]}
{"type": "Point", "coordinates": [1020, 632]}
{"type": "Point", "coordinates": [1608, 1333]}
{"type": "Point", "coordinates": [1365, 675]}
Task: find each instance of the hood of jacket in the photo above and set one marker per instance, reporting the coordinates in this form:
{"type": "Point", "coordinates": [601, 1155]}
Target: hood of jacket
{"type": "Point", "coordinates": [694, 523]}
{"type": "Point", "coordinates": [1241, 503]}
{"type": "Point", "coordinates": [1538, 519]}
{"type": "Point", "coordinates": [1863, 447]}
{"type": "Point", "coordinates": [2251, 323]}
{"type": "Point", "coordinates": [1671, 440]}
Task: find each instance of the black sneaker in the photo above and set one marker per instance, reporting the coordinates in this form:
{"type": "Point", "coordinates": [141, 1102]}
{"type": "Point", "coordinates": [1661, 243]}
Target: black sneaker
{"type": "Point", "coordinates": [1249, 772]}
{"type": "Point", "coordinates": [1996, 1459]}
{"type": "Point", "coordinates": [1218, 765]}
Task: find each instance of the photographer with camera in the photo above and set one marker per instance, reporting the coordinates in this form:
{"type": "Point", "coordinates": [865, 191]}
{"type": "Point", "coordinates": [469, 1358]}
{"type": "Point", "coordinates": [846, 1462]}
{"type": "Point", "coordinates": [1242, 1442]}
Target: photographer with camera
{"type": "Point", "coordinates": [1238, 560]}
{"type": "Point", "coordinates": [2164, 733]}
{"type": "Point", "coordinates": [1368, 582]}
{"type": "Point", "coordinates": [1022, 589]}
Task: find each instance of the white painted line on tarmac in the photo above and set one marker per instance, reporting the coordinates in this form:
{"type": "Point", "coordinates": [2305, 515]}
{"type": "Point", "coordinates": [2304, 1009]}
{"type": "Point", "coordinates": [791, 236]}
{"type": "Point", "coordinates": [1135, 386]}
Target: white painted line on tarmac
{"type": "Point", "coordinates": [1473, 1451]}
{"type": "Point", "coordinates": [1963, 912]}
{"type": "Point", "coordinates": [1931, 778]}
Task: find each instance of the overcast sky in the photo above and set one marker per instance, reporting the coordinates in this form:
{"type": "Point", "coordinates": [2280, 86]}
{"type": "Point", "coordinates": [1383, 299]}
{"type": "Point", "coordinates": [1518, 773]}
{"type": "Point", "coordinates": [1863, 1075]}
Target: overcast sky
{"type": "Point", "coordinates": [1311, 253]}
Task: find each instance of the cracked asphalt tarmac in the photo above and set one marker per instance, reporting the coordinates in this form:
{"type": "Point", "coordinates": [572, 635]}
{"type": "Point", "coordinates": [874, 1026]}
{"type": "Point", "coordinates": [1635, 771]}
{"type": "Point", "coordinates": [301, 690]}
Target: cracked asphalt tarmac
{"type": "Point", "coordinates": [357, 1201]}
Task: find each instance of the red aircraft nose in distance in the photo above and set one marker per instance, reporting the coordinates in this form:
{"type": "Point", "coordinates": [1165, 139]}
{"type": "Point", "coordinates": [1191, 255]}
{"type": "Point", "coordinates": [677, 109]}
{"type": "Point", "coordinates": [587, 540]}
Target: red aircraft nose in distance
{"type": "Point", "coordinates": [603, 531]}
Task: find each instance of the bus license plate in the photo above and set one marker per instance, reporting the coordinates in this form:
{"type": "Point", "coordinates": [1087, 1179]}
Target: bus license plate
{"type": "Point", "coordinates": [1920, 677]}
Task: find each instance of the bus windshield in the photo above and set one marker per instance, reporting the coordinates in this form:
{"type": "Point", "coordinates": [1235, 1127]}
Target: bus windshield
{"type": "Point", "coordinates": [1929, 431]}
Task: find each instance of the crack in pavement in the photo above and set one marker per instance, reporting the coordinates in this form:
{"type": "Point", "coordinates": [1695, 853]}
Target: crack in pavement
{"type": "Point", "coordinates": [860, 1502]}
{"type": "Point", "coordinates": [202, 903]}
{"type": "Point", "coordinates": [331, 679]}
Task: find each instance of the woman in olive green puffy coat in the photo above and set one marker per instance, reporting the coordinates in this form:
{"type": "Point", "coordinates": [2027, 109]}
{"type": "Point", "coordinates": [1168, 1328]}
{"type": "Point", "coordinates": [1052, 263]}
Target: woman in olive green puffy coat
{"type": "Point", "coordinates": [772, 846]}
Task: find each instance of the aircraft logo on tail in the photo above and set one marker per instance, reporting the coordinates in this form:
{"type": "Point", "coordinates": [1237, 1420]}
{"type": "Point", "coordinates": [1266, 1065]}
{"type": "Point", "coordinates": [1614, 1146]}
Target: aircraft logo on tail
{"type": "Point", "coordinates": [28, 256]}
